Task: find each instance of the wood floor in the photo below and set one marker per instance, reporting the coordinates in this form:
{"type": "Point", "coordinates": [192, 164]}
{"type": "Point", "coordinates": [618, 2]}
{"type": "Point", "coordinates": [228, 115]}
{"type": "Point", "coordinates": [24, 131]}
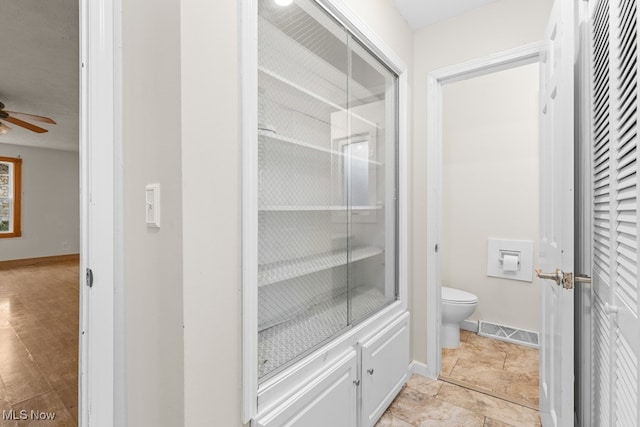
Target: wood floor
{"type": "Point", "coordinates": [484, 382]}
{"type": "Point", "coordinates": [39, 345]}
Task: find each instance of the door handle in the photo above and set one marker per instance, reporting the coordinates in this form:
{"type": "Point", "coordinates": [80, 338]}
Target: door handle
{"type": "Point", "coordinates": [582, 278]}
{"type": "Point", "coordinates": [560, 277]}
{"type": "Point", "coordinates": [555, 276]}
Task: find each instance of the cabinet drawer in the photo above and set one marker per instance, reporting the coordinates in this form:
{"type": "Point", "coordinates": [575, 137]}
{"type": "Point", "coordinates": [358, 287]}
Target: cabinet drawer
{"type": "Point", "coordinates": [328, 400]}
{"type": "Point", "coordinates": [385, 362]}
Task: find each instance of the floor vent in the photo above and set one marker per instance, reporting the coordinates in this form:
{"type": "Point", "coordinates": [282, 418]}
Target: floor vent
{"type": "Point", "coordinates": [506, 333]}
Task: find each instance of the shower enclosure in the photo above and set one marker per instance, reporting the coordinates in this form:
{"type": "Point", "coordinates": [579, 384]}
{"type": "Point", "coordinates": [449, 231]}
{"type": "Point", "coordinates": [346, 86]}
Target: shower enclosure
{"type": "Point", "coordinates": [327, 182]}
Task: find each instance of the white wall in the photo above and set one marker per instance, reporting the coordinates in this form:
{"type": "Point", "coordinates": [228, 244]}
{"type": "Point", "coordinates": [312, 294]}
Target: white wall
{"type": "Point", "coordinates": [153, 257]}
{"type": "Point", "coordinates": [498, 26]}
{"type": "Point", "coordinates": [211, 212]}
{"type": "Point", "coordinates": [211, 199]}
{"type": "Point", "coordinates": [50, 204]}
{"type": "Point", "coordinates": [490, 188]}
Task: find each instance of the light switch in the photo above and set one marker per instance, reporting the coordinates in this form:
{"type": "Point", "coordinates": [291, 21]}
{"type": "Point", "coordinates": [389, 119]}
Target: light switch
{"type": "Point", "coordinates": [152, 200]}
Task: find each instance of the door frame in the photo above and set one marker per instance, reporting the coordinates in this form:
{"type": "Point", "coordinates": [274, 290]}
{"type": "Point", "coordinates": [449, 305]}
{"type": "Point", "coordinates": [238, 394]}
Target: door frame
{"type": "Point", "coordinates": [101, 388]}
{"type": "Point", "coordinates": [523, 55]}
{"type": "Point", "coordinates": [583, 250]}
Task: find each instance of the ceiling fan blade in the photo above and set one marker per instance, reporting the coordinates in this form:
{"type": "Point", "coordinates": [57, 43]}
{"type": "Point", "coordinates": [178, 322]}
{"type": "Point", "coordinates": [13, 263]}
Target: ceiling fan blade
{"type": "Point", "coordinates": [4, 128]}
{"type": "Point", "coordinates": [25, 125]}
{"type": "Point", "coordinates": [30, 117]}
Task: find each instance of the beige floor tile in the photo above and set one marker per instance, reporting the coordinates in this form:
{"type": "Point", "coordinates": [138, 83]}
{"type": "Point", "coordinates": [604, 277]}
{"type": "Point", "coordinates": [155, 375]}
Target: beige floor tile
{"type": "Point", "coordinates": [388, 420]}
{"type": "Point", "coordinates": [480, 355]}
{"type": "Point", "coordinates": [7, 423]}
{"type": "Point", "coordinates": [20, 375]}
{"type": "Point", "coordinates": [65, 384]}
{"type": "Point", "coordinates": [489, 344]}
{"type": "Point", "coordinates": [39, 339]}
{"type": "Point", "coordinates": [419, 409]}
{"type": "Point", "coordinates": [450, 357]}
{"type": "Point", "coordinates": [488, 406]}
{"type": "Point", "coordinates": [517, 386]}
{"type": "Point", "coordinates": [39, 409]}
{"type": "Point", "coordinates": [424, 385]}
{"type": "Point", "coordinates": [490, 422]}
{"type": "Point", "coordinates": [523, 360]}
{"type": "Point", "coordinates": [3, 393]}
{"type": "Point", "coordinates": [442, 413]}
{"type": "Point", "coordinates": [4, 406]}
{"type": "Point", "coordinates": [24, 381]}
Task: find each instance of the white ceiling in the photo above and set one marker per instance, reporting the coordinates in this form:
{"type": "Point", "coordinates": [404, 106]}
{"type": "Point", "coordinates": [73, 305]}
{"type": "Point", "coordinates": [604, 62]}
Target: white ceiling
{"type": "Point", "coordinates": [39, 69]}
{"type": "Point", "coordinates": [422, 13]}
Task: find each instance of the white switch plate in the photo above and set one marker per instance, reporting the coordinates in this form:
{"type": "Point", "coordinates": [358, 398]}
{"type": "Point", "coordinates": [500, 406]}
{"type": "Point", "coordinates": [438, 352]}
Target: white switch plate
{"type": "Point", "coordinates": [524, 248]}
{"type": "Point", "coordinates": [152, 202]}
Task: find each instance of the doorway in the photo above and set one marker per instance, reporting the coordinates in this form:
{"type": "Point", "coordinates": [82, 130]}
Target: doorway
{"type": "Point", "coordinates": [525, 55]}
{"type": "Point", "coordinates": [101, 355]}
{"type": "Point", "coordinates": [490, 198]}
{"type": "Point", "coordinates": [39, 277]}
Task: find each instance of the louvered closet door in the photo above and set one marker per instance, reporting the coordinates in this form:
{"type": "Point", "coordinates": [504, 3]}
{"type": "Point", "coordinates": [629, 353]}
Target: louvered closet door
{"type": "Point", "coordinates": [616, 328]}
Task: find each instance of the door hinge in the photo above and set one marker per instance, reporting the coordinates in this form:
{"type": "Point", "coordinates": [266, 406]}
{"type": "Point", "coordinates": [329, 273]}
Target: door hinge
{"type": "Point", "coordinates": [89, 277]}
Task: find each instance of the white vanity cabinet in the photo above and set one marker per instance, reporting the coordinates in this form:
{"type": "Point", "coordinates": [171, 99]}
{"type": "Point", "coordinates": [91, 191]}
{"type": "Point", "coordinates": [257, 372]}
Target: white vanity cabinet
{"type": "Point", "coordinates": [328, 400]}
{"type": "Point", "coordinates": [325, 326]}
{"type": "Point", "coordinates": [385, 363]}
{"type": "Point", "coordinates": [347, 393]}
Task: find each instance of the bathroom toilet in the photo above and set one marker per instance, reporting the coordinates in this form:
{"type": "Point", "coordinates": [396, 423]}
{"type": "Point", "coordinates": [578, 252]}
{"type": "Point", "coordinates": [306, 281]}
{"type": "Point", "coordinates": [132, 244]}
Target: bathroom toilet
{"type": "Point", "coordinates": [456, 306]}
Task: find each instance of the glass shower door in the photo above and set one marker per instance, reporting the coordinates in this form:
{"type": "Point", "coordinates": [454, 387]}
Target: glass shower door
{"type": "Point", "coordinates": [302, 227]}
{"type": "Point", "coordinates": [370, 183]}
{"type": "Point", "coordinates": [326, 182]}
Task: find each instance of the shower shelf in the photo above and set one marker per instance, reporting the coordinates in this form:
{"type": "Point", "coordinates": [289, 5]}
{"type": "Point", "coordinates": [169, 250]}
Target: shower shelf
{"type": "Point", "coordinates": [314, 95]}
{"type": "Point", "coordinates": [319, 208]}
{"type": "Point", "coordinates": [285, 270]}
{"type": "Point", "coordinates": [268, 135]}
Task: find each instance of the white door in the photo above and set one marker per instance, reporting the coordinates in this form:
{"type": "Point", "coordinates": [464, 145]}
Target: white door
{"type": "Point", "coordinates": [616, 327]}
{"type": "Point", "coordinates": [556, 218]}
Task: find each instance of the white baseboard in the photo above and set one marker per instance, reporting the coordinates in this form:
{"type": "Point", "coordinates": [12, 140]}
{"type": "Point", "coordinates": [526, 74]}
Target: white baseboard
{"type": "Point", "coordinates": [469, 325]}
{"type": "Point", "coordinates": [418, 368]}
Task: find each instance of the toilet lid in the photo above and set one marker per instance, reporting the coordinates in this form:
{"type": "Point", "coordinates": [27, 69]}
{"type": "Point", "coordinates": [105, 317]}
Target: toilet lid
{"type": "Point", "coordinates": [458, 296]}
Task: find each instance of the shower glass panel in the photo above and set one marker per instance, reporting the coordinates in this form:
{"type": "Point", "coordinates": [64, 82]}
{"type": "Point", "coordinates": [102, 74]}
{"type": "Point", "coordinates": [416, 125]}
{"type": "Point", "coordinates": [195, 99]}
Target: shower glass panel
{"type": "Point", "coordinates": [371, 182]}
{"type": "Point", "coordinates": [326, 233]}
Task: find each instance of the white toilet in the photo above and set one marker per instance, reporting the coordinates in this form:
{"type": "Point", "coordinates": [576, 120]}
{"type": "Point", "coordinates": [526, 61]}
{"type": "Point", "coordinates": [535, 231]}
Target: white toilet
{"type": "Point", "coordinates": [457, 305]}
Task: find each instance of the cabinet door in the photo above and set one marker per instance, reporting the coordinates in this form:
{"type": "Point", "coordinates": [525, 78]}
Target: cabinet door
{"type": "Point", "coordinates": [385, 363]}
{"type": "Point", "coordinates": [329, 400]}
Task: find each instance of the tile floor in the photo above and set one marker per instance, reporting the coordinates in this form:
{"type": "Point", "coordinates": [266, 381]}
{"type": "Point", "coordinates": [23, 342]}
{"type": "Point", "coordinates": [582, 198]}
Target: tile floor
{"type": "Point", "coordinates": [501, 369]}
{"type": "Point", "coordinates": [39, 343]}
{"type": "Point", "coordinates": [484, 382]}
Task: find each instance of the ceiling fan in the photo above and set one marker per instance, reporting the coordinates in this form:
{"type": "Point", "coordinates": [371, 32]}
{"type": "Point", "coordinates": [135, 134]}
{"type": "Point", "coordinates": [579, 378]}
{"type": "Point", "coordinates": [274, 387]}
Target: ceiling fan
{"type": "Point", "coordinates": [17, 119]}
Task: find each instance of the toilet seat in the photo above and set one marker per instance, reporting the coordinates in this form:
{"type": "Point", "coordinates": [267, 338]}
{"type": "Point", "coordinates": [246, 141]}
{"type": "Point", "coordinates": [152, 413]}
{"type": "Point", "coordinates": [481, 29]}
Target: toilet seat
{"type": "Point", "coordinates": [457, 296]}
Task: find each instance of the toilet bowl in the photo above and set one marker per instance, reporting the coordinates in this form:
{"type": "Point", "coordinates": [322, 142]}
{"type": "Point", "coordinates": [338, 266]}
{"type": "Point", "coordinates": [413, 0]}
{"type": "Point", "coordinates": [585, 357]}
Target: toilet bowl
{"type": "Point", "coordinates": [456, 306]}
